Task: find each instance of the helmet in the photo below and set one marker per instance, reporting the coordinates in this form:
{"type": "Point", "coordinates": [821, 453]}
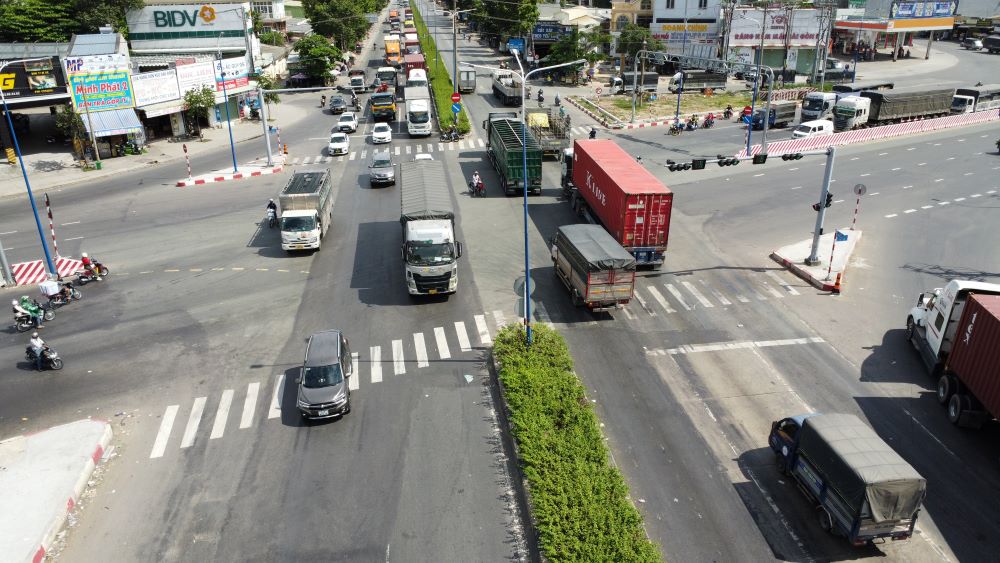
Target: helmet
{"type": "Point", "coordinates": [24, 298]}
{"type": "Point", "coordinates": [271, 200]}
{"type": "Point", "coordinates": [34, 335]}
{"type": "Point", "coordinates": [85, 255]}
{"type": "Point", "coordinates": [13, 302]}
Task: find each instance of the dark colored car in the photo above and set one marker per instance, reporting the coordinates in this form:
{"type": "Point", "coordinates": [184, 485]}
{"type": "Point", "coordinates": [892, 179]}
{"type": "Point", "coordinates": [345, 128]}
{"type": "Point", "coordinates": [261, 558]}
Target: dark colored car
{"type": "Point", "coordinates": [323, 390]}
{"type": "Point", "coordinates": [337, 104]}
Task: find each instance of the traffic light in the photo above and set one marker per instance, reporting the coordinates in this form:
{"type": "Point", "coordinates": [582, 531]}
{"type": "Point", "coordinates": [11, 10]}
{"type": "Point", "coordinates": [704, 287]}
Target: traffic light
{"type": "Point", "coordinates": [791, 156]}
{"type": "Point", "coordinates": [760, 158]}
{"type": "Point", "coordinates": [678, 166]}
{"type": "Point", "coordinates": [829, 199]}
{"type": "Point", "coordinates": [728, 161]}
{"type": "Point", "coordinates": [698, 164]}
{"type": "Point", "coordinates": [816, 207]}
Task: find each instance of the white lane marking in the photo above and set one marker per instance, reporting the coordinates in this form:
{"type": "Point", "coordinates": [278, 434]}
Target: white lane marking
{"type": "Point", "coordinates": [352, 156]}
{"type": "Point", "coordinates": [660, 299]}
{"type": "Point", "coordinates": [354, 383]}
{"type": "Point", "coordinates": [882, 153]}
{"type": "Point", "coordinates": [483, 330]}
{"type": "Point", "coordinates": [910, 211]}
{"type": "Point", "coordinates": [375, 353]}
{"type": "Point", "coordinates": [793, 169]}
{"type": "Point", "coordinates": [194, 420]}
{"type": "Point", "coordinates": [976, 195]}
{"type": "Point", "coordinates": [874, 193]}
{"type": "Point", "coordinates": [854, 158]}
{"type": "Point", "coordinates": [735, 345]}
{"type": "Point", "coordinates": [451, 146]}
{"type": "Point", "coordinates": [364, 153]}
{"type": "Point", "coordinates": [421, 349]}
{"type": "Point", "coordinates": [959, 199]}
{"type": "Point", "coordinates": [7, 233]}
{"type": "Point", "coordinates": [642, 303]}
{"type": "Point", "coordinates": [968, 174]}
{"type": "Point", "coordinates": [939, 180]}
{"type": "Point", "coordinates": [890, 216]}
{"type": "Point", "coordinates": [160, 444]}
{"type": "Point", "coordinates": [440, 146]}
{"type": "Point", "coordinates": [408, 149]}
{"type": "Point", "coordinates": [677, 295]}
{"type": "Point", "coordinates": [499, 319]}
{"type": "Point", "coordinates": [628, 313]}
{"type": "Point", "coordinates": [755, 175]}
{"type": "Point", "coordinates": [73, 238]}
{"type": "Point", "coordinates": [398, 362]}
{"type": "Point", "coordinates": [697, 294]}
{"type": "Point", "coordinates": [841, 201]}
{"type": "Point", "coordinates": [926, 206]}
{"type": "Point", "coordinates": [865, 174]}
{"type": "Point", "coordinates": [895, 169]}
{"type": "Point", "coordinates": [912, 149]}
{"type": "Point", "coordinates": [774, 292]}
{"type": "Point", "coordinates": [430, 147]}
{"type": "Point", "coordinates": [782, 283]}
{"type": "Point", "coordinates": [442, 343]}
{"type": "Point", "coordinates": [397, 150]}
{"type": "Point", "coordinates": [221, 414]}
{"type": "Point", "coordinates": [797, 188]}
{"type": "Point", "coordinates": [420, 148]}
{"type": "Point", "coordinates": [944, 202]}
{"type": "Point", "coordinates": [70, 223]}
{"type": "Point", "coordinates": [907, 187]}
{"type": "Point", "coordinates": [482, 143]}
{"type": "Point", "coordinates": [248, 404]}
{"type": "Point", "coordinates": [461, 145]}
{"type": "Point", "coordinates": [992, 192]}
{"type": "Point", "coordinates": [307, 160]}
{"type": "Point", "coordinates": [463, 337]}
{"type": "Point", "coordinates": [921, 164]}
{"type": "Point", "coordinates": [274, 411]}
{"type": "Point", "coordinates": [718, 294]}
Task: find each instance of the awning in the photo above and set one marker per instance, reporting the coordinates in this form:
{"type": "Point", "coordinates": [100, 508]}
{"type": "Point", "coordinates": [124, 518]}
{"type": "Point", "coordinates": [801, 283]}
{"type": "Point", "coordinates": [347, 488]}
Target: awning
{"type": "Point", "coordinates": [112, 122]}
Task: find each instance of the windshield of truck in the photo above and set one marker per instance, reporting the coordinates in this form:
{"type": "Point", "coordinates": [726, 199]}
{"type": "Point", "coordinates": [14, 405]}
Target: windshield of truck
{"type": "Point", "coordinates": [419, 117]}
{"type": "Point", "coordinates": [383, 99]}
{"type": "Point", "coordinates": [959, 104]}
{"type": "Point", "coordinates": [813, 104]}
{"type": "Point", "coordinates": [298, 224]}
{"type": "Point", "coordinates": [387, 75]}
{"type": "Point", "coordinates": [843, 112]}
{"type": "Point", "coordinates": [419, 253]}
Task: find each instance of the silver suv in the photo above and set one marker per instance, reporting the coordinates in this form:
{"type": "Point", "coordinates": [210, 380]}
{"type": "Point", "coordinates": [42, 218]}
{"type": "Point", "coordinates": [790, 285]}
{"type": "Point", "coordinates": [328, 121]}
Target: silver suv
{"type": "Point", "coordinates": [323, 382]}
{"type": "Point", "coordinates": [383, 170]}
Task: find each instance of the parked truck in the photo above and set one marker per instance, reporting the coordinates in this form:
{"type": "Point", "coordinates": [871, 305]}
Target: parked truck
{"type": "Point", "coordinates": [699, 81]}
{"type": "Point", "coordinates": [977, 98]}
{"type": "Point", "coordinates": [596, 270]}
{"type": "Point", "coordinates": [861, 488]}
{"type": "Point", "coordinates": [818, 105]}
{"type": "Point", "coordinates": [306, 210]}
{"type": "Point", "coordinates": [648, 82]}
{"type": "Point", "coordinates": [612, 189]}
{"type": "Point", "coordinates": [956, 330]}
{"type": "Point", "coordinates": [430, 252]}
{"type": "Point", "coordinates": [872, 108]}
{"type": "Point", "coordinates": [507, 146]}
{"type": "Point", "coordinates": [992, 43]}
{"type": "Point", "coordinates": [467, 81]}
{"type": "Point", "coordinates": [358, 80]}
{"type": "Point", "coordinates": [507, 87]}
{"type": "Point", "coordinates": [550, 128]}
{"type": "Point", "coordinates": [418, 110]}
{"type": "Point", "coordinates": [782, 113]}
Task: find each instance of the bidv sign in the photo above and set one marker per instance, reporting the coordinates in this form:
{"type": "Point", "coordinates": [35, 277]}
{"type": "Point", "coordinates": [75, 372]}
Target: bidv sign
{"type": "Point", "coordinates": [183, 18]}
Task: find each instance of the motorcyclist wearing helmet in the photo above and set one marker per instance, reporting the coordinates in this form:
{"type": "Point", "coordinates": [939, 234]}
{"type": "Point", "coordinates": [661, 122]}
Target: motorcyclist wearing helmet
{"type": "Point", "coordinates": [37, 345]}
{"type": "Point", "coordinates": [271, 206]}
{"type": "Point", "coordinates": [476, 180]}
{"type": "Point", "coordinates": [28, 307]}
{"type": "Point", "coordinates": [88, 265]}
{"type": "Point", "coordinates": [593, 133]}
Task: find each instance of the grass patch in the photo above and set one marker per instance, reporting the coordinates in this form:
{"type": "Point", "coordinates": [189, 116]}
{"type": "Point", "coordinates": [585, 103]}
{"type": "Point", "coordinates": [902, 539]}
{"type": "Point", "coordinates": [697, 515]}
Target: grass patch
{"type": "Point", "coordinates": [441, 82]}
{"type": "Point", "coordinates": [666, 104]}
{"type": "Point", "coordinates": [579, 501]}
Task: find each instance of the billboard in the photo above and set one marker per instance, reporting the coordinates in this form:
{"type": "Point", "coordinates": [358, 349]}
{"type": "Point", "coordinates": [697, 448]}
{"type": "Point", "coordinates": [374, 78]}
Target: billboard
{"type": "Point", "coordinates": [749, 27]}
{"type": "Point", "coordinates": [672, 34]}
{"type": "Point", "coordinates": [237, 73]}
{"type": "Point", "coordinates": [101, 90]}
{"type": "Point", "coordinates": [155, 87]}
{"type": "Point", "coordinates": [95, 63]}
{"type": "Point", "coordinates": [169, 26]}
{"type": "Point", "coordinates": [34, 78]}
{"type": "Point", "coordinates": [907, 10]}
{"type": "Point", "coordinates": [550, 31]}
{"type": "Point", "coordinates": [194, 76]}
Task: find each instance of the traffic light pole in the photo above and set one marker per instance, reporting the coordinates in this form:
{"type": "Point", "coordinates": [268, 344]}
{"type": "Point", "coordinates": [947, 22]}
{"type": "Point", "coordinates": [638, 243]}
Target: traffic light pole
{"type": "Point", "coordinates": [831, 153]}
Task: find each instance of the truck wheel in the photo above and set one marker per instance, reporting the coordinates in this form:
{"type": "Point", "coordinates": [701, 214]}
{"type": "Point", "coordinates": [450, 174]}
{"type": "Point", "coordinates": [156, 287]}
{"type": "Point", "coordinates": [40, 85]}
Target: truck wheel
{"type": "Point", "coordinates": [825, 521]}
{"type": "Point", "coordinates": [957, 407]}
{"type": "Point", "coordinates": [945, 389]}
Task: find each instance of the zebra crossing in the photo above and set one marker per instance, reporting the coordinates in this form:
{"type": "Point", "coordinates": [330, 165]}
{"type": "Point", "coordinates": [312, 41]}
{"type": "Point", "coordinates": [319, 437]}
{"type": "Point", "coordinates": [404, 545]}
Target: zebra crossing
{"type": "Point", "coordinates": [397, 150]}
{"type": "Point", "coordinates": [405, 357]}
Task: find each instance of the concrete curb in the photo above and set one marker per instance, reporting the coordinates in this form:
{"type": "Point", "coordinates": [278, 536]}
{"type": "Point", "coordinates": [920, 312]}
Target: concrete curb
{"type": "Point", "coordinates": [211, 179]}
{"type": "Point", "coordinates": [60, 519]}
{"type": "Point", "coordinates": [793, 257]}
{"type": "Point", "coordinates": [822, 285]}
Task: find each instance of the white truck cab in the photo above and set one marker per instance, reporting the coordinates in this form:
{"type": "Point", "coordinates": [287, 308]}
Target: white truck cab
{"type": "Point", "coordinates": [416, 77]}
{"type": "Point", "coordinates": [851, 112]}
{"type": "Point", "coordinates": [931, 325]}
{"type": "Point", "coordinates": [818, 105]}
{"type": "Point", "coordinates": [430, 254]}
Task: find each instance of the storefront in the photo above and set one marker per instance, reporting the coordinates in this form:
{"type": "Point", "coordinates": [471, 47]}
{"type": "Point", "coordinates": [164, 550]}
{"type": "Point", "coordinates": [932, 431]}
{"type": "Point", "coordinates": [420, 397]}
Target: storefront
{"type": "Point", "coordinates": [114, 129]}
{"type": "Point", "coordinates": [874, 35]}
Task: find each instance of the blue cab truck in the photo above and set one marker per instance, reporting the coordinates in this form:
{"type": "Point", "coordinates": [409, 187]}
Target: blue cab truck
{"type": "Point", "coordinates": [781, 115]}
{"type": "Point", "coordinates": [861, 488]}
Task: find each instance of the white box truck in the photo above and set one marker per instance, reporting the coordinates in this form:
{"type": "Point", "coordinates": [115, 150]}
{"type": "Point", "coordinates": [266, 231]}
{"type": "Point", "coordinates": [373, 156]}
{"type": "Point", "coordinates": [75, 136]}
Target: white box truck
{"type": "Point", "coordinates": [430, 253]}
{"type": "Point", "coordinates": [306, 209]}
{"type": "Point", "coordinates": [418, 110]}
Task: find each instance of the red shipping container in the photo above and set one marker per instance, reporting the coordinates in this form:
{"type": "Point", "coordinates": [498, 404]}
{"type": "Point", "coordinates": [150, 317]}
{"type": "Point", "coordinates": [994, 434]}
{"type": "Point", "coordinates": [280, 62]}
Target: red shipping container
{"type": "Point", "coordinates": [975, 353]}
{"type": "Point", "coordinates": [632, 204]}
{"type": "Point", "coordinates": [411, 62]}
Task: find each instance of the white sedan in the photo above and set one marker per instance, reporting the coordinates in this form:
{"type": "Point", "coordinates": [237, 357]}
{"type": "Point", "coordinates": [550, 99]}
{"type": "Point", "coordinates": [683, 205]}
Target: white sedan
{"type": "Point", "coordinates": [347, 122]}
{"type": "Point", "coordinates": [381, 133]}
{"type": "Point", "coordinates": [340, 143]}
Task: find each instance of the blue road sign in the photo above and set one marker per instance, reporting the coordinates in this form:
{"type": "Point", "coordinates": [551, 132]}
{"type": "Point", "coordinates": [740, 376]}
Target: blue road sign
{"type": "Point", "coordinates": [456, 107]}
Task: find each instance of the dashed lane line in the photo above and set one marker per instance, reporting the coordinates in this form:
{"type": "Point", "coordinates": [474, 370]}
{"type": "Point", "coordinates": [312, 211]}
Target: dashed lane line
{"type": "Point", "coordinates": [736, 345]}
{"type": "Point", "coordinates": [274, 411]}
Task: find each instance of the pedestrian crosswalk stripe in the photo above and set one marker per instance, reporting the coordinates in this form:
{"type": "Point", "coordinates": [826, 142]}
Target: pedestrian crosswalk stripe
{"type": "Point", "coordinates": [352, 155]}
{"type": "Point", "coordinates": [398, 363]}
{"type": "Point", "coordinates": [660, 299]}
{"type": "Point", "coordinates": [541, 313]}
{"type": "Point", "coordinates": [364, 154]}
{"type": "Point", "coordinates": [777, 294]}
{"type": "Point", "coordinates": [718, 294]}
{"type": "Point", "coordinates": [329, 158]}
{"type": "Point", "coordinates": [498, 319]}
{"type": "Point", "coordinates": [421, 349]}
{"type": "Point", "coordinates": [484, 331]}
{"type": "Point", "coordinates": [397, 150]}
{"type": "Point", "coordinates": [440, 146]}
{"type": "Point", "coordinates": [194, 421]}
{"type": "Point", "coordinates": [160, 444]}
{"type": "Point", "coordinates": [354, 382]}
{"type": "Point", "coordinates": [376, 362]}
{"type": "Point", "coordinates": [677, 295]}
{"type": "Point", "coordinates": [306, 160]}
{"type": "Point", "coordinates": [420, 148]}
{"type": "Point", "coordinates": [482, 143]}
{"type": "Point", "coordinates": [274, 411]}
{"type": "Point", "coordinates": [697, 294]}
{"type": "Point", "coordinates": [628, 313]}
{"type": "Point", "coordinates": [451, 146]}
{"type": "Point", "coordinates": [408, 149]}
{"type": "Point", "coordinates": [221, 414]}
{"type": "Point", "coordinates": [783, 283]}
{"type": "Point", "coordinates": [295, 161]}
{"type": "Point", "coordinates": [442, 343]}
{"type": "Point", "coordinates": [430, 147]}
{"type": "Point", "coordinates": [248, 404]}
{"type": "Point", "coordinates": [463, 337]}
{"type": "Point", "coordinates": [642, 303]}
{"type": "Point", "coordinates": [461, 145]}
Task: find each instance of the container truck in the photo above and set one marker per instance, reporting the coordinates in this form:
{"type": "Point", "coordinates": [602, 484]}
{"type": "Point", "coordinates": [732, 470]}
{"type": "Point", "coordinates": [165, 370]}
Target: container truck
{"type": "Point", "coordinates": [507, 87]}
{"type": "Point", "coordinates": [818, 105]}
{"type": "Point", "coordinates": [306, 210]}
{"type": "Point", "coordinates": [418, 110]}
{"type": "Point", "coordinates": [782, 113]}
{"type": "Point", "coordinates": [392, 50]}
{"type": "Point", "coordinates": [624, 83]}
{"type": "Point", "coordinates": [467, 81]}
{"type": "Point", "coordinates": [551, 130]}
{"type": "Point", "coordinates": [612, 189]}
{"type": "Point", "coordinates": [596, 270]}
{"type": "Point", "coordinates": [872, 108]}
{"type": "Point", "coordinates": [430, 252]}
{"type": "Point", "coordinates": [358, 80]}
{"type": "Point", "coordinates": [699, 81]}
{"type": "Point", "coordinates": [413, 62]}
{"type": "Point", "coordinates": [861, 488]}
{"type": "Point", "coordinates": [956, 330]}
{"type": "Point", "coordinates": [977, 98]}
{"type": "Point", "coordinates": [506, 147]}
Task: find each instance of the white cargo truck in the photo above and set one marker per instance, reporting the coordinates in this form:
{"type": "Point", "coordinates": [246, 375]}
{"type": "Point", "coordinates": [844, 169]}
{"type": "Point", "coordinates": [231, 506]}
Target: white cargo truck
{"type": "Point", "coordinates": [306, 209]}
{"type": "Point", "coordinates": [430, 253]}
{"type": "Point", "coordinates": [418, 110]}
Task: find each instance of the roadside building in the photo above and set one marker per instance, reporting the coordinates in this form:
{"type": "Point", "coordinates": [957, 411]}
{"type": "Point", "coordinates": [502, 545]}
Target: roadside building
{"type": "Point", "coordinates": [30, 85]}
{"type": "Point", "coordinates": [689, 27]}
{"type": "Point", "coordinates": [887, 28]}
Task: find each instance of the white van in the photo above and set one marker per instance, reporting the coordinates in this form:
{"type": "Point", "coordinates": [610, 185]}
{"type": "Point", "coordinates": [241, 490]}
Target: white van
{"type": "Point", "coordinates": [815, 128]}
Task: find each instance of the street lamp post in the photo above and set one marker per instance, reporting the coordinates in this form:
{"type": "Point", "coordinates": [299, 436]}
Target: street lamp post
{"type": "Point", "coordinates": [524, 171]}
{"type": "Point", "coordinates": [24, 170]}
{"type": "Point", "coordinates": [225, 96]}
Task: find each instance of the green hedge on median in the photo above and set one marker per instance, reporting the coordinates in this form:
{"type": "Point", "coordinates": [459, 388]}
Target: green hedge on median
{"type": "Point", "coordinates": [441, 83]}
{"type": "Point", "coordinates": [578, 499]}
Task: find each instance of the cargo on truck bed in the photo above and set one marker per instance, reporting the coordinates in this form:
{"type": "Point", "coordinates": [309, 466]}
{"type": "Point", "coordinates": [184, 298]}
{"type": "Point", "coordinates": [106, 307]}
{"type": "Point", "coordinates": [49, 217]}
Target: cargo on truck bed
{"type": "Point", "coordinates": [598, 272]}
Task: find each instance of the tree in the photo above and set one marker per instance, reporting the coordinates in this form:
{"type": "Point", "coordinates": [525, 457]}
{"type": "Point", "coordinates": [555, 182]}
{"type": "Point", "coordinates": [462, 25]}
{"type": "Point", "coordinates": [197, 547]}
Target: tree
{"type": "Point", "coordinates": [32, 21]}
{"type": "Point", "coordinates": [515, 18]}
{"type": "Point", "coordinates": [344, 20]}
{"type": "Point", "coordinates": [317, 56]}
{"type": "Point", "coordinates": [631, 39]}
{"type": "Point", "coordinates": [70, 124]}
{"type": "Point", "coordinates": [197, 104]}
{"type": "Point", "coordinates": [90, 15]}
{"type": "Point", "coordinates": [267, 82]}
{"type": "Point", "coordinates": [275, 38]}
{"type": "Point", "coordinates": [577, 45]}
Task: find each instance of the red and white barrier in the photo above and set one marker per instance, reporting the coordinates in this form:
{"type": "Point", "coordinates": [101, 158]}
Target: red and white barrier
{"type": "Point", "coordinates": [210, 179]}
{"type": "Point", "coordinates": [27, 273]}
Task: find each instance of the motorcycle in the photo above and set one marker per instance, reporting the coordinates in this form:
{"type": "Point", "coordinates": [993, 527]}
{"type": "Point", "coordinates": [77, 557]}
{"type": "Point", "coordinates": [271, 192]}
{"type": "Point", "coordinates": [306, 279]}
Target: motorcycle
{"type": "Point", "coordinates": [24, 323]}
{"type": "Point", "coordinates": [450, 137]}
{"type": "Point", "coordinates": [60, 299]}
{"type": "Point", "coordinates": [272, 218]}
{"type": "Point", "coordinates": [477, 190]}
{"type": "Point", "coordinates": [691, 125]}
{"type": "Point", "coordinates": [728, 113]}
{"type": "Point", "coordinates": [708, 123]}
{"type": "Point", "coordinates": [558, 101]}
{"type": "Point", "coordinates": [85, 276]}
{"type": "Point", "coordinates": [675, 129]}
{"type": "Point", "coordinates": [593, 133]}
{"type": "Point", "coordinates": [50, 358]}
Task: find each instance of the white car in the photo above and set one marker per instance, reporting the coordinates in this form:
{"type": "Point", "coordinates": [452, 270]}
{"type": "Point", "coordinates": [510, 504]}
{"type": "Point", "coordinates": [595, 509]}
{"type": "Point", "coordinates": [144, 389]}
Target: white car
{"type": "Point", "coordinates": [423, 156]}
{"type": "Point", "coordinates": [382, 133]}
{"type": "Point", "coordinates": [347, 122]}
{"type": "Point", "coordinates": [340, 143]}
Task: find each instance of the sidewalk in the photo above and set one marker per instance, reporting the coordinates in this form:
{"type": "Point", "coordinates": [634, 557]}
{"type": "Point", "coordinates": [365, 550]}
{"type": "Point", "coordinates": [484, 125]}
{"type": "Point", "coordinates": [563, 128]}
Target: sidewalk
{"type": "Point", "coordinates": [823, 275]}
{"type": "Point", "coordinates": [42, 476]}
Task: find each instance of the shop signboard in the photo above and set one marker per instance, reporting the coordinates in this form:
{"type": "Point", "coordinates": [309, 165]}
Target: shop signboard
{"type": "Point", "coordinates": [31, 79]}
{"type": "Point", "coordinates": [98, 91]}
{"type": "Point", "coordinates": [550, 31]}
{"type": "Point", "coordinates": [672, 34]}
{"type": "Point", "coordinates": [164, 26]}
{"type": "Point", "coordinates": [909, 10]}
{"type": "Point", "coordinates": [194, 76]}
{"type": "Point", "coordinates": [155, 87]}
{"type": "Point", "coordinates": [236, 72]}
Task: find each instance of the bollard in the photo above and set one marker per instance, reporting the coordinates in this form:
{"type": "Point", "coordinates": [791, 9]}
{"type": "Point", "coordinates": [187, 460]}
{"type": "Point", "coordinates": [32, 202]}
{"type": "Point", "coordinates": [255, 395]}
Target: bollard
{"type": "Point", "coordinates": [188, 159]}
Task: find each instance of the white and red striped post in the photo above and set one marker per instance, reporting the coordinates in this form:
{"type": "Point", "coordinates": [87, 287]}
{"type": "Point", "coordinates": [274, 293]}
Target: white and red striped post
{"type": "Point", "coordinates": [857, 206]}
{"type": "Point", "coordinates": [52, 229]}
{"type": "Point", "coordinates": [277, 134]}
{"type": "Point", "coordinates": [187, 158]}
{"type": "Point", "coordinates": [833, 249]}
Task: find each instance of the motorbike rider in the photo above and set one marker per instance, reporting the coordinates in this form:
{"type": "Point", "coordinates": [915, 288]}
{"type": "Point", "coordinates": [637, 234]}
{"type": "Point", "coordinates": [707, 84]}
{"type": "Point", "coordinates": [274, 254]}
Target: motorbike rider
{"type": "Point", "coordinates": [271, 206]}
{"type": "Point", "coordinates": [729, 111]}
{"type": "Point", "coordinates": [28, 307]}
{"type": "Point", "coordinates": [593, 132]}
{"type": "Point", "coordinates": [88, 266]}
{"type": "Point", "coordinates": [476, 180]}
{"type": "Point", "coordinates": [37, 345]}
{"type": "Point", "coordinates": [322, 101]}
{"type": "Point", "coordinates": [557, 100]}
{"type": "Point", "coordinates": [710, 119]}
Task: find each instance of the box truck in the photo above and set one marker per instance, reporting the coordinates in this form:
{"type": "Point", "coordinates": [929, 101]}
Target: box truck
{"type": "Point", "coordinates": [598, 272]}
{"type": "Point", "coordinates": [306, 209]}
{"type": "Point", "coordinates": [872, 108]}
{"type": "Point", "coordinates": [429, 251]}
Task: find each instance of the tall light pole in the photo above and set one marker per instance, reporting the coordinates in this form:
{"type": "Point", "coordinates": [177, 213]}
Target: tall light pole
{"type": "Point", "coordinates": [524, 161]}
{"type": "Point", "coordinates": [225, 95]}
{"type": "Point", "coordinates": [24, 170]}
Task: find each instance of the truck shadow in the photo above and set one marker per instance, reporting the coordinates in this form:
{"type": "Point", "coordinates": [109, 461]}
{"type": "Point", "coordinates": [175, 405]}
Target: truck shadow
{"type": "Point", "coordinates": [895, 361]}
{"type": "Point", "coordinates": [378, 274]}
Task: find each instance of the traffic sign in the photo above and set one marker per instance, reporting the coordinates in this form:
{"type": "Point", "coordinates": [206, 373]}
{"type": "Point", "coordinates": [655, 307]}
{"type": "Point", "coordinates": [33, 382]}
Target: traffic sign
{"type": "Point", "coordinates": [456, 97]}
{"type": "Point", "coordinates": [860, 189]}
{"type": "Point", "coordinates": [598, 90]}
{"type": "Point", "coordinates": [456, 107]}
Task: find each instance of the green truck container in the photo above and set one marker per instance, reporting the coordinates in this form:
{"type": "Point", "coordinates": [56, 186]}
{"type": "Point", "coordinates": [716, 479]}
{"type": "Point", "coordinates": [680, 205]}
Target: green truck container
{"type": "Point", "coordinates": [506, 149]}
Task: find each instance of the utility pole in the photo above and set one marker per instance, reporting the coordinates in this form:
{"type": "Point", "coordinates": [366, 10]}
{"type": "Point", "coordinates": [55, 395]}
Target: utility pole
{"type": "Point", "coordinates": [5, 273]}
{"type": "Point", "coordinates": [813, 259]}
{"type": "Point", "coordinates": [454, 48]}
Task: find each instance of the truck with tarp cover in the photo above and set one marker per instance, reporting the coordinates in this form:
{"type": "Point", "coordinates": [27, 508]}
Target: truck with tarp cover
{"type": "Point", "coordinates": [598, 272]}
{"type": "Point", "coordinates": [430, 252]}
{"type": "Point", "coordinates": [507, 144]}
{"type": "Point", "coordinates": [551, 129]}
{"type": "Point", "coordinates": [861, 488]}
